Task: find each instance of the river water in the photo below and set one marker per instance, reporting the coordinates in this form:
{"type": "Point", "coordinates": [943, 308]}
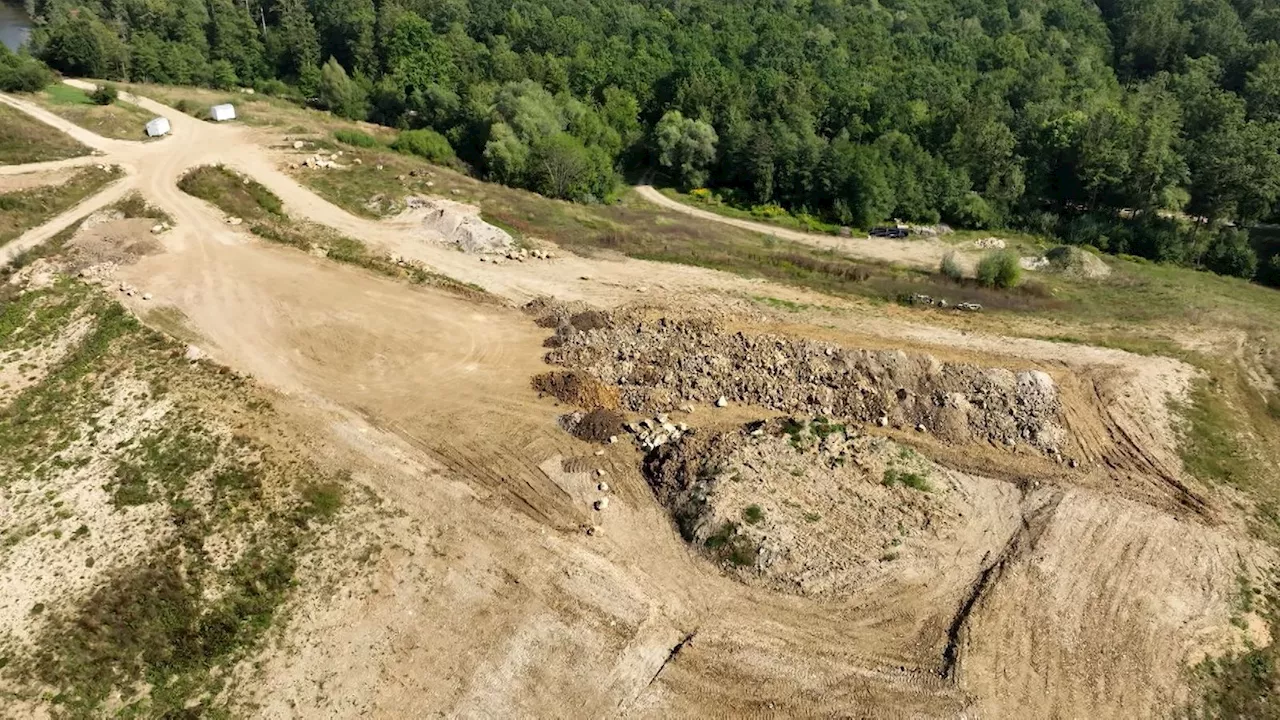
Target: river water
{"type": "Point", "coordinates": [15, 26]}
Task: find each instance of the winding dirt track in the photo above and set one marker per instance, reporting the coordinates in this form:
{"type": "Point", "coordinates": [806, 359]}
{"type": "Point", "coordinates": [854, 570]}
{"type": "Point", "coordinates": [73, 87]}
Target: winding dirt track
{"type": "Point", "coordinates": [919, 253]}
{"type": "Point", "coordinates": [492, 603]}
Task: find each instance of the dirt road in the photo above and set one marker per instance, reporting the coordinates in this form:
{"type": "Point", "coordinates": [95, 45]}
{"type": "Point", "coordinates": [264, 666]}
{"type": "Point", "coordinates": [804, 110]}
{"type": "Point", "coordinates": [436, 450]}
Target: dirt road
{"type": "Point", "coordinates": [491, 601]}
{"type": "Point", "coordinates": [920, 253]}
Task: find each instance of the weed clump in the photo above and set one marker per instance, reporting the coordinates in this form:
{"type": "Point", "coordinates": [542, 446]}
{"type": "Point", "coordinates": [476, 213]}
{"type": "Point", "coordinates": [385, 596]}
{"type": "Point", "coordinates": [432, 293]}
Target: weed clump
{"type": "Point", "coordinates": [915, 481]}
{"type": "Point", "coordinates": [1000, 269]}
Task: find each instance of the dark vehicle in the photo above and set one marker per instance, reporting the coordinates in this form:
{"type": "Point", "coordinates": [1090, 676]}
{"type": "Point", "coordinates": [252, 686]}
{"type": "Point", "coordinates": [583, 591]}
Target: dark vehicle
{"type": "Point", "coordinates": [889, 232]}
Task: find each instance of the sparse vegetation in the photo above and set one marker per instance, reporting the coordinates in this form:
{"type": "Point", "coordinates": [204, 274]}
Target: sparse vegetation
{"type": "Point", "coordinates": [753, 514]}
{"type": "Point", "coordinates": [134, 205]}
{"type": "Point", "coordinates": [915, 481]}
{"type": "Point", "coordinates": [1211, 449]}
{"type": "Point", "coordinates": [24, 209]}
{"type": "Point", "coordinates": [159, 632]}
{"type": "Point", "coordinates": [231, 193]}
{"type": "Point", "coordinates": [26, 140]}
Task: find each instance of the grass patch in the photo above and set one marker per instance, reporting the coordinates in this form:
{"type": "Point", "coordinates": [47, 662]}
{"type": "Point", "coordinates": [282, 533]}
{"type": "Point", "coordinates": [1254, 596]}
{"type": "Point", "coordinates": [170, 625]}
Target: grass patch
{"type": "Point", "coordinates": [1244, 684]}
{"type": "Point", "coordinates": [120, 120]}
{"type": "Point", "coordinates": [725, 203]}
{"type": "Point", "coordinates": [237, 196]}
{"type": "Point", "coordinates": [728, 544]}
{"type": "Point", "coordinates": [134, 205]}
{"type": "Point", "coordinates": [753, 514]}
{"type": "Point", "coordinates": [25, 209]}
{"type": "Point", "coordinates": [1211, 447]}
{"type": "Point", "coordinates": [915, 481]}
{"type": "Point", "coordinates": [24, 139]}
{"type": "Point", "coordinates": [356, 138]}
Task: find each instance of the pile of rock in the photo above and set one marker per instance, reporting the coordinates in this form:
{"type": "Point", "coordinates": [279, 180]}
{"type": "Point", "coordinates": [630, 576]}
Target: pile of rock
{"type": "Point", "coordinates": [160, 227]}
{"type": "Point", "coordinates": [661, 364]}
{"type": "Point", "coordinates": [517, 255]}
{"type": "Point", "coordinates": [653, 433]}
{"type": "Point", "coordinates": [322, 161]}
{"type": "Point", "coordinates": [130, 291]}
{"type": "Point", "coordinates": [941, 303]}
{"type": "Point", "coordinates": [989, 243]}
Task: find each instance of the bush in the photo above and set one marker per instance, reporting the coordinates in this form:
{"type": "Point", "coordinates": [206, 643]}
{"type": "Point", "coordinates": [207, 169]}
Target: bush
{"type": "Point", "coordinates": [999, 269]}
{"type": "Point", "coordinates": [424, 143]}
{"type": "Point", "coordinates": [950, 267]}
{"type": "Point", "coordinates": [356, 138]}
{"type": "Point", "coordinates": [104, 94]}
{"type": "Point", "coordinates": [20, 73]}
{"type": "Point", "coordinates": [1229, 253]}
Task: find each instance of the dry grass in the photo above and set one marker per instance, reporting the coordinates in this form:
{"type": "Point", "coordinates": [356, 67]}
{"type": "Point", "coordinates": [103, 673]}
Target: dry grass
{"type": "Point", "coordinates": [25, 140]}
{"type": "Point", "coordinates": [120, 120]}
{"type": "Point", "coordinates": [22, 210]}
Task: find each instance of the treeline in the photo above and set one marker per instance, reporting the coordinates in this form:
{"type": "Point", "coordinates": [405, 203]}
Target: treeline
{"type": "Point", "coordinates": [1138, 126]}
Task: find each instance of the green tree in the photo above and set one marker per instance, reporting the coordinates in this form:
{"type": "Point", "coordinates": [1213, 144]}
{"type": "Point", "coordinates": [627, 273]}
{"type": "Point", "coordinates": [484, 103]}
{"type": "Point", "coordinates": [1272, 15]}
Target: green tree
{"type": "Point", "coordinates": [340, 94]}
{"type": "Point", "coordinates": [685, 146]}
{"type": "Point", "coordinates": [81, 44]}
{"type": "Point", "coordinates": [1229, 253]}
{"type": "Point", "coordinates": [296, 45]}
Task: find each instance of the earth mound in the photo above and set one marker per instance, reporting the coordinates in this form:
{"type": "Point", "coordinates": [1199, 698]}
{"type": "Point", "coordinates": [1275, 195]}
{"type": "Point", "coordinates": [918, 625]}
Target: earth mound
{"type": "Point", "coordinates": [460, 224]}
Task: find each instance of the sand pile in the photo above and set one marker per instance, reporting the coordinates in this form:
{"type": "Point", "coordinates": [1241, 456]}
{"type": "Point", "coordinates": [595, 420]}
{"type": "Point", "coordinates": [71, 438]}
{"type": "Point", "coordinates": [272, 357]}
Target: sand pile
{"type": "Point", "coordinates": [460, 224]}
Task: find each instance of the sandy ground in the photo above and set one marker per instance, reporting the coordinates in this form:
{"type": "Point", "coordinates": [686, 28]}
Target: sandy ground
{"type": "Point", "coordinates": [487, 599]}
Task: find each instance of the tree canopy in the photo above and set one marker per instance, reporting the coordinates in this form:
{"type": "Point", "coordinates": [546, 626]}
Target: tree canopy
{"type": "Point", "coordinates": [1024, 112]}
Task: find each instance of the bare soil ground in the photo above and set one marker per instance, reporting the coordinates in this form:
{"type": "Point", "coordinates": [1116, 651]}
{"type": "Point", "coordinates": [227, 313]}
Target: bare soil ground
{"type": "Point", "coordinates": [461, 554]}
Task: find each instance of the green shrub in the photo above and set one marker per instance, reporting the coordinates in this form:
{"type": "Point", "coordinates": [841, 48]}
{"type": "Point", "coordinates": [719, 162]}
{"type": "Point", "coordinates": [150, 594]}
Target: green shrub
{"type": "Point", "coordinates": [753, 514]}
{"type": "Point", "coordinates": [424, 143]}
{"type": "Point", "coordinates": [950, 266]}
{"type": "Point", "coordinates": [999, 269]}
{"type": "Point", "coordinates": [104, 94]}
{"type": "Point", "coordinates": [21, 73]}
{"type": "Point", "coordinates": [356, 138]}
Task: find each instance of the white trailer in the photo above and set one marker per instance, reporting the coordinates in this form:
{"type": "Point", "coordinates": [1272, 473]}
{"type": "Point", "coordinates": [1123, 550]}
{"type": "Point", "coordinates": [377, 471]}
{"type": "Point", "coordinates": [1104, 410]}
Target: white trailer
{"type": "Point", "coordinates": [158, 127]}
{"type": "Point", "coordinates": [222, 113]}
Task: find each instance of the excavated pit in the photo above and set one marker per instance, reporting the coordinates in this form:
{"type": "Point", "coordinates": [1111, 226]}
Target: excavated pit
{"type": "Point", "coordinates": [811, 508]}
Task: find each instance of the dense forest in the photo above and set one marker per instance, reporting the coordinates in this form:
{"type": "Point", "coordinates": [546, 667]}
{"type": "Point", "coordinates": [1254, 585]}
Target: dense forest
{"type": "Point", "coordinates": [1149, 127]}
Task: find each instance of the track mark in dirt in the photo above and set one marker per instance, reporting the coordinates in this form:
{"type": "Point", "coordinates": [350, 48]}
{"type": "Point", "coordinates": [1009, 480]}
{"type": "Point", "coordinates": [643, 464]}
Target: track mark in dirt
{"type": "Point", "coordinates": [1033, 525]}
{"type": "Point", "coordinates": [675, 650]}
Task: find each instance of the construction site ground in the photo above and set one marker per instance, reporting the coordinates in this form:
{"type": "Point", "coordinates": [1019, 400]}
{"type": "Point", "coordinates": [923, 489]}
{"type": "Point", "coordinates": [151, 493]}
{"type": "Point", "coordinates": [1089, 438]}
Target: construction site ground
{"type": "Point", "coordinates": [472, 570]}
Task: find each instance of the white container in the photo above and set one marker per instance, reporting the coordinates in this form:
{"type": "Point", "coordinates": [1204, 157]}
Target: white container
{"type": "Point", "coordinates": [158, 127]}
{"type": "Point", "coordinates": [222, 113]}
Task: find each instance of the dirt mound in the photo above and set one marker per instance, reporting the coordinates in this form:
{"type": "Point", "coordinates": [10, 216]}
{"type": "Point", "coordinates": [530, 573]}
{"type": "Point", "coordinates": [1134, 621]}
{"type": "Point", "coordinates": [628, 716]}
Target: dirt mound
{"type": "Point", "coordinates": [597, 426]}
{"type": "Point", "coordinates": [661, 364]}
{"type": "Point", "coordinates": [808, 507]}
{"type": "Point", "coordinates": [460, 224]}
{"type": "Point", "coordinates": [1074, 262]}
{"type": "Point", "coordinates": [576, 388]}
